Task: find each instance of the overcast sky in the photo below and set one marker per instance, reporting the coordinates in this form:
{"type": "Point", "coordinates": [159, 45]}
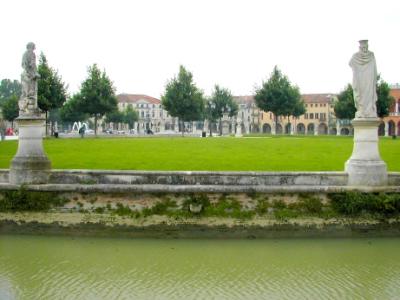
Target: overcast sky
{"type": "Point", "coordinates": [236, 44]}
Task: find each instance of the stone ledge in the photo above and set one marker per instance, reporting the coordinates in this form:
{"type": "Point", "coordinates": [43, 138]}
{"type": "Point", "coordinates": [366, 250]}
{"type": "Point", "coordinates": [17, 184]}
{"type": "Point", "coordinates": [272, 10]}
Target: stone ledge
{"type": "Point", "coordinates": [159, 188]}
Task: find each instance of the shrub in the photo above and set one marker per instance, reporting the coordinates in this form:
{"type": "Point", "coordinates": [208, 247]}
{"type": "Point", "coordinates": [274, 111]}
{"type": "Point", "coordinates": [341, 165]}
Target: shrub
{"type": "Point", "coordinates": [160, 208]}
{"type": "Point", "coordinates": [196, 199]}
{"type": "Point", "coordinates": [262, 206]}
{"type": "Point", "coordinates": [310, 205]}
{"type": "Point", "coordinates": [356, 203]}
{"type": "Point", "coordinates": [23, 200]}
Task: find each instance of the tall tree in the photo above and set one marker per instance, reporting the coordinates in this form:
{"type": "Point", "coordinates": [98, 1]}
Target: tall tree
{"type": "Point", "coordinates": [10, 109]}
{"type": "Point", "coordinates": [221, 101]}
{"type": "Point", "coordinates": [278, 96]}
{"type": "Point", "coordinates": [182, 99]}
{"type": "Point", "coordinates": [97, 95]}
{"type": "Point", "coordinates": [345, 108]}
{"type": "Point", "coordinates": [9, 88]}
{"type": "Point", "coordinates": [130, 116]}
{"type": "Point", "coordinates": [52, 91]}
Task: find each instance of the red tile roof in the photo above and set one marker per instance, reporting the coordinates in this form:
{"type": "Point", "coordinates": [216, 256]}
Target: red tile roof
{"type": "Point", "coordinates": [134, 98]}
{"type": "Point", "coordinates": [243, 99]}
{"type": "Point", "coordinates": [307, 98]}
{"type": "Point", "coordinates": [317, 98]}
{"type": "Point", "coordinates": [395, 93]}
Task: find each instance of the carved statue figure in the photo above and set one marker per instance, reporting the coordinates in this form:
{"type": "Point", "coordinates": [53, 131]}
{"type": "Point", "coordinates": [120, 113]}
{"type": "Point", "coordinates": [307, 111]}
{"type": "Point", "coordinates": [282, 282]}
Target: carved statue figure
{"type": "Point", "coordinates": [28, 101]}
{"type": "Point", "coordinates": [364, 81]}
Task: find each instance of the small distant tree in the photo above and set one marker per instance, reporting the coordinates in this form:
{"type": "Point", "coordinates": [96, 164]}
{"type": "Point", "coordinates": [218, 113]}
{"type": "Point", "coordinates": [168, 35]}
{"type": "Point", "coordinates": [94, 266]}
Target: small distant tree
{"type": "Point", "coordinates": [385, 101]}
{"type": "Point", "coordinates": [52, 91]}
{"type": "Point", "coordinates": [344, 108]}
{"type": "Point", "coordinates": [97, 95]}
{"type": "Point", "coordinates": [130, 116]}
{"type": "Point", "coordinates": [114, 117]}
{"type": "Point", "coordinates": [182, 99]}
{"type": "Point", "coordinates": [71, 111]}
{"type": "Point", "coordinates": [221, 101]}
{"type": "Point", "coordinates": [10, 109]}
{"type": "Point", "coordinates": [278, 96]}
{"type": "Point", "coordinates": [9, 88]}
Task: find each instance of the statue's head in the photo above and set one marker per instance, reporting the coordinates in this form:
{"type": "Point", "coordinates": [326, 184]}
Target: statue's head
{"type": "Point", "coordinates": [363, 46]}
{"type": "Point", "coordinates": [30, 46]}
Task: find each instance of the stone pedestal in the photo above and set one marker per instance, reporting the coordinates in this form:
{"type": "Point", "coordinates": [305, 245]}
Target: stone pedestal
{"type": "Point", "coordinates": [30, 165]}
{"type": "Point", "coordinates": [365, 166]}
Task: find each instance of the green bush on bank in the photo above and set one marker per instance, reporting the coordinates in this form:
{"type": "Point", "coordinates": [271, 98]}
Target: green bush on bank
{"type": "Point", "coordinates": [23, 200]}
{"type": "Point", "coordinates": [356, 203]}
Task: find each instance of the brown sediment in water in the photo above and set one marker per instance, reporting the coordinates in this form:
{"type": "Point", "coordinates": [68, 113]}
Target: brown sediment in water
{"type": "Point", "coordinates": [92, 224]}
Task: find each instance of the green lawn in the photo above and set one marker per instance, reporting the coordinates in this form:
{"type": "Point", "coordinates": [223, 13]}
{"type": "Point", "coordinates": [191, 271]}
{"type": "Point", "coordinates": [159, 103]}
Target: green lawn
{"type": "Point", "coordinates": [237, 154]}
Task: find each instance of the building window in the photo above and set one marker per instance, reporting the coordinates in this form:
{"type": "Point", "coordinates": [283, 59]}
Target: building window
{"type": "Point", "coordinates": [311, 116]}
{"type": "Point", "coordinates": [311, 105]}
{"type": "Point", "coordinates": [305, 116]}
{"type": "Point", "coordinates": [142, 114]}
{"type": "Point", "coordinates": [322, 116]}
{"type": "Point", "coordinates": [316, 115]}
{"type": "Point", "coordinates": [153, 114]}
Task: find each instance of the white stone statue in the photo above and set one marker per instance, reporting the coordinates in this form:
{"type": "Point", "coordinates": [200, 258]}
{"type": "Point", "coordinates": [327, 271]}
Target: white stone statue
{"type": "Point", "coordinates": [29, 77]}
{"type": "Point", "coordinates": [364, 81]}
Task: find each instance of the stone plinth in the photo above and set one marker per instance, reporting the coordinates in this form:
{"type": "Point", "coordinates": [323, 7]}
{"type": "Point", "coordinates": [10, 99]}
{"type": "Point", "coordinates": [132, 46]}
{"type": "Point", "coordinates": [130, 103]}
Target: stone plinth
{"type": "Point", "coordinates": [365, 166]}
{"type": "Point", "coordinates": [30, 165]}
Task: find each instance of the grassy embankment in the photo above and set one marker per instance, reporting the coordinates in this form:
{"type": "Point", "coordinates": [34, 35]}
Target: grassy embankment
{"type": "Point", "coordinates": [281, 153]}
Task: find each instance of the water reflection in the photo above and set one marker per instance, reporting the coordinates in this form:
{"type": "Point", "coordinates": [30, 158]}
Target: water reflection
{"type": "Point", "coordinates": [92, 268]}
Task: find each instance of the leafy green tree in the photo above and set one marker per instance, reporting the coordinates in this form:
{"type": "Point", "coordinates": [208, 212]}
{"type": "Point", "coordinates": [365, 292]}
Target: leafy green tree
{"type": "Point", "coordinates": [221, 101]}
{"type": "Point", "coordinates": [182, 99]}
{"type": "Point", "coordinates": [385, 101]}
{"type": "Point", "coordinates": [97, 95]}
{"type": "Point", "coordinates": [71, 111]}
{"type": "Point", "coordinates": [10, 109]}
{"type": "Point", "coordinates": [130, 116]}
{"type": "Point", "coordinates": [9, 88]}
{"type": "Point", "coordinates": [52, 92]}
{"type": "Point", "coordinates": [278, 96]}
{"type": "Point", "coordinates": [115, 117]}
{"type": "Point", "coordinates": [345, 107]}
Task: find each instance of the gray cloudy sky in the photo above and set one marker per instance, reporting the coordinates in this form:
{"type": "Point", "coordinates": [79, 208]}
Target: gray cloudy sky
{"type": "Point", "coordinates": [236, 44]}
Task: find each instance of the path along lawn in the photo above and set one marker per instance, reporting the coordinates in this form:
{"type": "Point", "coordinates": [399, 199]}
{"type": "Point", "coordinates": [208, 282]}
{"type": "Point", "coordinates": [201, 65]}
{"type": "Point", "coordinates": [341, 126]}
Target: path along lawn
{"type": "Point", "coordinates": [219, 154]}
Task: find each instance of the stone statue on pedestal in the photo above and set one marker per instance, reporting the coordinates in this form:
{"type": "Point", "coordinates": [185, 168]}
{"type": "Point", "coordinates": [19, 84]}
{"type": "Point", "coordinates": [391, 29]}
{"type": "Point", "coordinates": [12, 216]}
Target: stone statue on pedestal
{"type": "Point", "coordinates": [365, 166]}
{"type": "Point", "coordinates": [29, 78]}
{"type": "Point", "coordinates": [364, 81]}
{"type": "Point", "coordinates": [30, 164]}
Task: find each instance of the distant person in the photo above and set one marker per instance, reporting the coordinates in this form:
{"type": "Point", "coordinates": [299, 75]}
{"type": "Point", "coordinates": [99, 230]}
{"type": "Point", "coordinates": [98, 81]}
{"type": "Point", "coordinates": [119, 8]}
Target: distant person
{"type": "Point", "coordinates": [82, 131]}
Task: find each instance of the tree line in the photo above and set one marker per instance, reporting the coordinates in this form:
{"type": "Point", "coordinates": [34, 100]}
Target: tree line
{"type": "Point", "coordinates": [182, 99]}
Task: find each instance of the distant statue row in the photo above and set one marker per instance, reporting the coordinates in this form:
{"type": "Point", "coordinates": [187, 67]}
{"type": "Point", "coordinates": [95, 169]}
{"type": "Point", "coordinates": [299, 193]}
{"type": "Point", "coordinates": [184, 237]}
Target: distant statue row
{"type": "Point", "coordinates": [364, 82]}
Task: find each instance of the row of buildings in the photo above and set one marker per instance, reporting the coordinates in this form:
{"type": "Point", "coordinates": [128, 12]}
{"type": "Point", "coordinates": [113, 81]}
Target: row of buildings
{"type": "Point", "coordinates": [319, 118]}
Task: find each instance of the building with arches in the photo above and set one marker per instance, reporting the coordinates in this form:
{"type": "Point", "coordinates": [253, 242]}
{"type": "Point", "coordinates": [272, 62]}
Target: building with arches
{"type": "Point", "coordinates": [318, 119]}
{"type": "Point", "coordinates": [390, 125]}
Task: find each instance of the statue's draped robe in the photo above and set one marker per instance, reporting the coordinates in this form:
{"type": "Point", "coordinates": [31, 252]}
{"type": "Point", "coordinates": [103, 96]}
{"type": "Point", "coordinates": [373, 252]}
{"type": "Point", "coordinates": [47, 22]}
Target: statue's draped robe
{"type": "Point", "coordinates": [28, 100]}
{"type": "Point", "coordinates": [364, 84]}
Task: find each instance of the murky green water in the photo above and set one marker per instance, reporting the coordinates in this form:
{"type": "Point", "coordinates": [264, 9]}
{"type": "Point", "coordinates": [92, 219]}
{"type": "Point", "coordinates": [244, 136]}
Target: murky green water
{"type": "Point", "coordinates": [94, 268]}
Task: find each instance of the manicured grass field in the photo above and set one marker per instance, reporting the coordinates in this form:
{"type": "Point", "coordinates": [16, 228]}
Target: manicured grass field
{"type": "Point", "coordinates": [280, 153]}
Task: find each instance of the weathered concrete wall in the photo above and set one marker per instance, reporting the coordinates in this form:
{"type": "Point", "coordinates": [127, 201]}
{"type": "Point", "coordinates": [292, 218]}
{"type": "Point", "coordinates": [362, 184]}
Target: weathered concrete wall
{"type": "Point", "coordinates": [199, 181]}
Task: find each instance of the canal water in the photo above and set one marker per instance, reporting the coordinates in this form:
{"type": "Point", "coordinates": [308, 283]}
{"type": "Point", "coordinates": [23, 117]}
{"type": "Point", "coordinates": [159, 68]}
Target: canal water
{"type": "Point", "coordinates": [33, 267]}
